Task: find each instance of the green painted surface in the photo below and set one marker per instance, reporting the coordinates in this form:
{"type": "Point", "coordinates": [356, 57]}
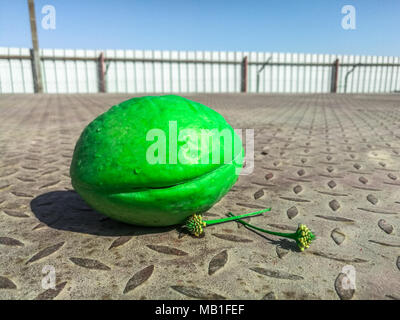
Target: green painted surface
{"type": "Point", "coordinates": [118, 166]}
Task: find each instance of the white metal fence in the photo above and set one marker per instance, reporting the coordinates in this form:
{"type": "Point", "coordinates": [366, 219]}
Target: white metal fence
{"type": "Point", "coordinates": [137, 71]}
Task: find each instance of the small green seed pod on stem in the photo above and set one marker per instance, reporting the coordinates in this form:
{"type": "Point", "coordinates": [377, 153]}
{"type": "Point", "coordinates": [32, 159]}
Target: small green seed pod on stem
{"type": "Point", "coordinates": [303, 236]}
{"type": "Point", "coordinates": [195, 224]}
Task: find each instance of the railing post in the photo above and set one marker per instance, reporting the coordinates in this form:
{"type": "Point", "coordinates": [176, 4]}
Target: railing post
{"type": "Point", "coordinates": [334, 78]}
{"type": "Point", "coordinates": [245, 65]}
{"type": "Point", "coordinates": [35, 58]}
{"type": "Point", "coordinates": [101, 73]}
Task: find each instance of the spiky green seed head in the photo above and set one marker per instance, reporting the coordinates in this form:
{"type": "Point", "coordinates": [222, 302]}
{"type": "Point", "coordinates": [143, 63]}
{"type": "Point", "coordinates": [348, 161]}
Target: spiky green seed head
{"type": "Point", "coordinates": [195, 225]}
{"type": "Point", "coordinates": [304, 237]}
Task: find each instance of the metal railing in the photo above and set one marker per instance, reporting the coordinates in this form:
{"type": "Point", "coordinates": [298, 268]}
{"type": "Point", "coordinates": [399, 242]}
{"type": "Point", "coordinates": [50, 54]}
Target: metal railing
{"type": "Point", "coordinates": [67, 71]}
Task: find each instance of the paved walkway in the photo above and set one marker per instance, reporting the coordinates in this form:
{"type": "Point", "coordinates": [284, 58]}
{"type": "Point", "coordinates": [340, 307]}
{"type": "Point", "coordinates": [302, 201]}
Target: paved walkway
{"type": "Point", "coordinates": [329, 161]}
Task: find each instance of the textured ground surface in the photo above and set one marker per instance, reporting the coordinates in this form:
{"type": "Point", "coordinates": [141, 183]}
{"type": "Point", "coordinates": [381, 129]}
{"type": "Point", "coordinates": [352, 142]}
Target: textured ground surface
{"type": "Point", "coordinates": [329, 161]}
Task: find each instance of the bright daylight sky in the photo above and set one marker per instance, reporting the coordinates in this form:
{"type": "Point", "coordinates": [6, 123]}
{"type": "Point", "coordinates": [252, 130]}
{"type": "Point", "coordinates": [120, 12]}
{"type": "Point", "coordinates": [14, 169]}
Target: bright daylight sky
{"type": "Point", "coordinates": [306, 26]}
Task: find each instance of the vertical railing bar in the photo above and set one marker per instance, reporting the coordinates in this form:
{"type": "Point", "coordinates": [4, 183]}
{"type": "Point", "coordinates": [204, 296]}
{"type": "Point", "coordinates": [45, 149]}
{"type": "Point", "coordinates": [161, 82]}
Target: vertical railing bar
{"type": "Point", "coordinates": [362, 76]}
{"type": "Point", "coordinates": [317, 70]}
{"type": "Point", "coordinates": [66, 72]}
{"type": "Point", "coordinates": [383, 79]}
{"type": "Point", "coordinates": [212, 73]}
{"type": "Point", "coordinates": [323, 75]}
{"type": "Point", "coordinates": [374, 71]}
{"type": "Point", "coordinates": [364, 80]}
{"type": "Point", "coordinates": [153, 71]}
{"type": "Point", "coordinates": [204, 71]}
{"type": "Point", "coordinates": [391, 74]}
{"type": "Point", "coordinates": [265, 57]}
{"type": "Point", "coordinates": [1, 89]}
{"type": "Point", "coordinates": [250, 68]}
{"type": "Point", "coordinates": [235, 85]}
{"type": "Point", "coordinates": [398, 75]}
{"type": "Point", "coordinates": [331, 74]}
{"type": "Point", "coordinates": [162, 72]}
{"type": "Point", "coordinates": [196, 85]}
{"type": "Point", "coordinates": [55, 69]}
{"type": "Point", "coordinates": [291, 74]}
{"type": "Point", "coordinates": [76, 73]}
{"type": "Point", "coordinates": [249, 73]}
{"type": "Point", "coordinates": [369, 75]}
{"type": "Point", "coordinates": [387, 75]}
{"type": "Point", "coordinates": [380, 77]}
{"type": "Point", "coordinates": [144, 74]}
{"type": "Point", "coordinates": [276, 69]}
{"type": "Point", "coordinates": [126, 73]}
{"type": "Point", "coordinates": [22, 71]}
{"type": "Point", "coordinates": [365, 77]}
{"type": "Point", "coordinates": [357, 83]}
{"type": "Point", "coordinates": [301, 68]}
{"type": "Point", "coordinates": [284, 68]}
{"type": "Point", "coordinates": [11, 75]}
{"type": "Point", "coordinates": [327, 80]}
{"type": "Point", "coordinates": [264, 72]}
{"type": "Point", "coordinates": [359, 74]}
{"type": "Point", "coordinates": [171, 79]}
{"type": "Point", "coordinates": [320, 73]}
{"type": "Point", "coordinates": [342, 72]}
{"type": "Point", "coordinates": [271, 74]}
{"type": "Point", "coordinates": [284, 74]}
{"type": "Point", "coordinates": [87, 73]}
{"type": "Point", "coordinates": [175, 85]}
{"type": "Point", "coordinates": [382, 85]}
{"type": "Point", "coordinates": [187, 73]}
{"type": "Point", "coordinates": [227, 68]}
{"type": "Point", "coordinates": [43, 66]}
{"type": "Point", "coordinates": [352, 75]}
{"type": "Point", "coordinates": [297, 72]}
{"type": "Point", "coordinates": [135, 72]}
{"type": "Point", "coordinates": [219, 73]}
{"type": "Point", "coordinates": [288, 58]}
{"type": "Point", "coordinates": [180, 71]}
{"type": "Point", "coordinates": [376, 78]}
{"type": "Point", "coordinates": [281, 74]}
{"type": "Point", "coordinates": [116, 73]}
{"type": "Point", "coordinates": [311, 72]}
{"type": "Point", "coordinates": [304, 73]}
{"type": "Point", "coordinates": [332, 59]}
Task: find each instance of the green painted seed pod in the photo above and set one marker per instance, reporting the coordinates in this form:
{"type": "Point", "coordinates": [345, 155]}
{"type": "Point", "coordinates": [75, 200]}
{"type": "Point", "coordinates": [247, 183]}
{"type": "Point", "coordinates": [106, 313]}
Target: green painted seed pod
{"type": "Point", "coordinates": [156, 160]}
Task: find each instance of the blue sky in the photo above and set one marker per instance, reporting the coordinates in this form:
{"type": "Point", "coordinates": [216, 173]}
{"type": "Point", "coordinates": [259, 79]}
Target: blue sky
{"type": "Point", "coordinates": [281, 26]}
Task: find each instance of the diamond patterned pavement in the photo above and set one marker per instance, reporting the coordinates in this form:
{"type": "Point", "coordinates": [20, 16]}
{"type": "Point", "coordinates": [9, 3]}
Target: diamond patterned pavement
{"type": "Point", "coordinates": [329, 161]}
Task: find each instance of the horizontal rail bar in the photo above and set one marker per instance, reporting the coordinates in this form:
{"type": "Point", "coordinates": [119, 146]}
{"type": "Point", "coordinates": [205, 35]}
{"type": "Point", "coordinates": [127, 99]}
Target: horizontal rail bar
{"type": "Point", "coordinates": [10, 57]}
{"type": "Point", "coordinates": [311, 64]}
{"type": "Point", "coordinates": [112, 59]}
{"type": "Point", "coordinates": [170, 60]}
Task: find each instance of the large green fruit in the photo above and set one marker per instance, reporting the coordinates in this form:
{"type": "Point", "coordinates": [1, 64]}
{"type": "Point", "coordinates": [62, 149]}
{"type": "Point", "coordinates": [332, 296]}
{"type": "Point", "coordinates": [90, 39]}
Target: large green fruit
{"type": "Point", "coordinates": [146, 162]}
